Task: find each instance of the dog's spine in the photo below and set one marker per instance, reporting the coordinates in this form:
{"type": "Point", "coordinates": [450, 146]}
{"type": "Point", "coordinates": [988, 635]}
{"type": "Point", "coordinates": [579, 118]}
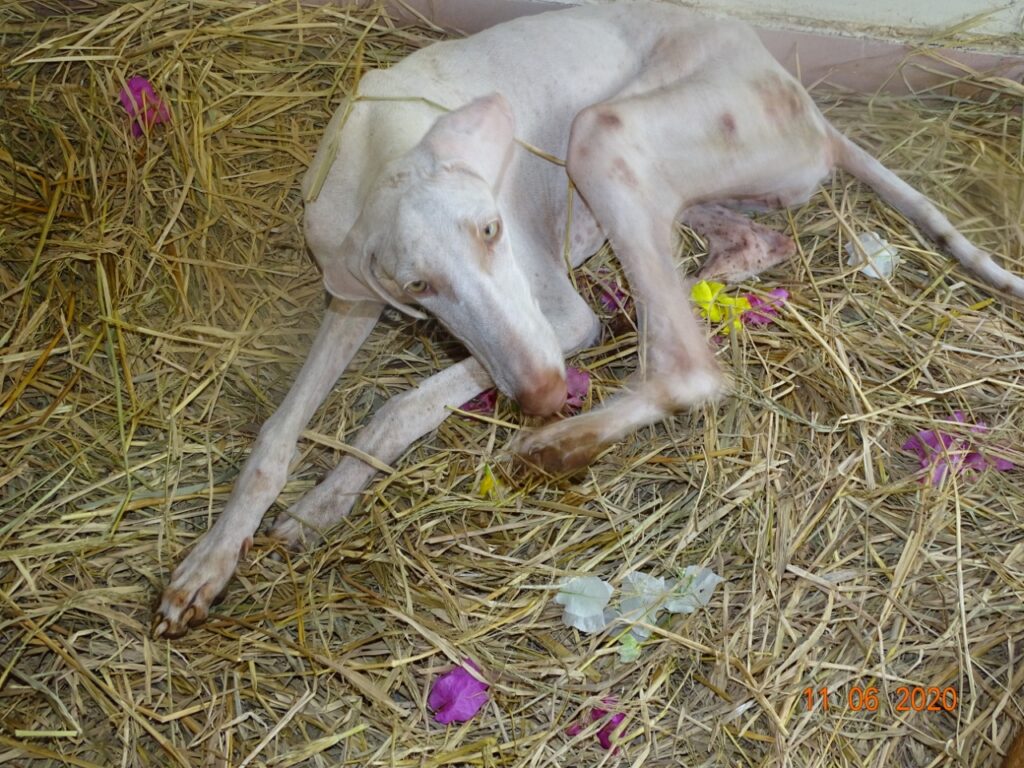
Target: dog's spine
{"type": "Point", "coordinates": [916, 207]}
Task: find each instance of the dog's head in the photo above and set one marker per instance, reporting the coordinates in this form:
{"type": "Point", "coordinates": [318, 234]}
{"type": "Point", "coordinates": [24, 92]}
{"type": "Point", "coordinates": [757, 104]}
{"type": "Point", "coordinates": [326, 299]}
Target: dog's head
{"type": "Point", "coordinates": [431, 235]}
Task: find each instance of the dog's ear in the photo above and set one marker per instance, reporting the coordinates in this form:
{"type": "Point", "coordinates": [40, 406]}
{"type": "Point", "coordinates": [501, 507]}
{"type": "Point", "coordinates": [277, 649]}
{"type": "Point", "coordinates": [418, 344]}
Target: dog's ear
{"type": "Point", "coordinates": [342, 282]}
{"type": "Point", "coordinates": [478, 135]}
{"type": "Point", "coordinates": [343, 273]}
{"type": "Point", "coordinates": [351, 277]}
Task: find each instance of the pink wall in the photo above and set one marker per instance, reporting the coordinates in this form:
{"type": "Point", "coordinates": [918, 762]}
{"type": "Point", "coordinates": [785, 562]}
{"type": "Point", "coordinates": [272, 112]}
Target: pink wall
{"type": "Point", "coordinates": [858, 63]}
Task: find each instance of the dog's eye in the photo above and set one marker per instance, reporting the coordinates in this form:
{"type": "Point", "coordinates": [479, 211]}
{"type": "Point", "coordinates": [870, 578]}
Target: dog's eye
{"type": "Point", "coordinates": [416, 287]}
{"type": "Point", "coordinates": [491, 230]}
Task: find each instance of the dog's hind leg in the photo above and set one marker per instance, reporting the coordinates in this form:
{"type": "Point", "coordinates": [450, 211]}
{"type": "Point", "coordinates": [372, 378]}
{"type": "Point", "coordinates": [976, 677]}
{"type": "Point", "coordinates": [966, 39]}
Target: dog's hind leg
{"type": "Point", "coordinates": [742, 132]}
{"type": "Point", "coordinates": [203, 574]}
{"type": "Point", "coordinates": [738, 248]}
{"type": "Point", "coordinates": [677, 367]}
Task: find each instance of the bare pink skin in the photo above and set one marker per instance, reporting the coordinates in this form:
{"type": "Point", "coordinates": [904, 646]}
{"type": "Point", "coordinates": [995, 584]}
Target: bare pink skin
{"type": "Point", "coordinates": [661, 115]}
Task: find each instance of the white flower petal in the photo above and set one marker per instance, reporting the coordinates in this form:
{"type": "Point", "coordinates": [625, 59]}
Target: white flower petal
{"type": "Point", "coordinates": [643, 598]}
{"type": "Point", "coordinates": [876, 257]}
{"type": "Point", "coordinates": [693, 590]}
{"type": "Point", "coordinates": [585, 598]}
{"type": "Point", "coordinates": [584, 622]}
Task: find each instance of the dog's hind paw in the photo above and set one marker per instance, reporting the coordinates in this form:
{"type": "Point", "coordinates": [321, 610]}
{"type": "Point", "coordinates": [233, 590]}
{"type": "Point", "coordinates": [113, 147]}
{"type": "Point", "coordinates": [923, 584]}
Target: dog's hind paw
{"type": "Point", "coordinates": [196, 585]}
{"type": "Point", "coordinates": [738, 248]}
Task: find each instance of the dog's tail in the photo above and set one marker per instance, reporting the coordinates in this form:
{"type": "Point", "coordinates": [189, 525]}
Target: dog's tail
{"type": "Point", "coordinates": [920, 210]}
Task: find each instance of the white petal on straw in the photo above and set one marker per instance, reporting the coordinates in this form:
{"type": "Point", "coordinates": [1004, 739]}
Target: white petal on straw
{"type": "Point", "coordinates": [585, 598]}
{"type": "Point", "coordinates": [876, 257]}
{"type": "Point", "coordinates": [642, 600]}
{"type": "Point", "coordinates": [693, 590]}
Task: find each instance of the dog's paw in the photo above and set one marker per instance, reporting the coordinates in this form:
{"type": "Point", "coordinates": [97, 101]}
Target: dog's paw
{"type": "Point", "coordinates": [559, 448]}
{"type": "Point", "coordinates": [291, 535]}
{"type": "Point", "coordinates": [196, 585]}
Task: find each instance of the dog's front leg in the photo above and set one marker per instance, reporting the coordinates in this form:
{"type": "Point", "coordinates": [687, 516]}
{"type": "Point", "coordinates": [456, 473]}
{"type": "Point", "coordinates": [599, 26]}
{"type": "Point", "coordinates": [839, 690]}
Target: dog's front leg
{"type": "Point", "coordinates": [402, 420]}
{"type": "Point", "coordinates": [201, 576]}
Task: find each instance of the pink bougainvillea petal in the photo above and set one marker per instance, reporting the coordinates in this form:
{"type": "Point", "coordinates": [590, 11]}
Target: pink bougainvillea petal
{"type": "Point", "coordinates": [604, 736]}
{"type": "Point", "coordinates": [612, 297]}
{"type": "Point", "coordinates": [764, 311]}
{"type": "Point", "coordinates": [1001, 465]}
{"type": "Point", "coordinates": [942, 453]}
{"type": "Point", "coordinates": [960, 418]}
{"type": "Point", "coordinates": [484, 403]}
{"type": "Point", "coordinates": [608, 292]}
{"type": "Point", "coordinates": [457, 695]}
{"type": "Point", "coordinates": [607, 732]}
{"type": "Point", "coordinates": [577, 384]}
{"type": "Point", "coordinates": [143, 106]}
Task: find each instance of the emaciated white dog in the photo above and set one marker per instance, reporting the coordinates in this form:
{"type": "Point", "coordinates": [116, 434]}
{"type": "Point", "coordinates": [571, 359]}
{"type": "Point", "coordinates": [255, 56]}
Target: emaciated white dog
{"type": "Point", "coordinates": [438, 189]}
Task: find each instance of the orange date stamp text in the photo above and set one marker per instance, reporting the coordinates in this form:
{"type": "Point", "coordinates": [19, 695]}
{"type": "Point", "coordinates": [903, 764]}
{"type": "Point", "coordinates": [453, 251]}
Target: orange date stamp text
{"type": "Point", "coordinates": [908, 698]}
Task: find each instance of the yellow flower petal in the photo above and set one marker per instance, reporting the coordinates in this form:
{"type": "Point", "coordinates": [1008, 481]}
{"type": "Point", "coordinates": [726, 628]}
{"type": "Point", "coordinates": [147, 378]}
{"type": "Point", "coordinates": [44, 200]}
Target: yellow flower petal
{"type": "Point", "coordinates": [704, 294]}
{"type": "Point", "coordinates": [717, 306]}
{"type": "Point", "coordinates": [490, 486]}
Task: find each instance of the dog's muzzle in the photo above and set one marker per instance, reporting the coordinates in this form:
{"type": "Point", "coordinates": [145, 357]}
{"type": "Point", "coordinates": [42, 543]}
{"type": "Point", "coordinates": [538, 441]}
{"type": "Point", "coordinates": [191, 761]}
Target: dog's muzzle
{"type": "Point", "coordinates": [545, 394]}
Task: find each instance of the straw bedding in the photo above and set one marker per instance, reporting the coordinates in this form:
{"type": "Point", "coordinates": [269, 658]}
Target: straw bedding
{"type": "Point", "coordinates": [156, 302]}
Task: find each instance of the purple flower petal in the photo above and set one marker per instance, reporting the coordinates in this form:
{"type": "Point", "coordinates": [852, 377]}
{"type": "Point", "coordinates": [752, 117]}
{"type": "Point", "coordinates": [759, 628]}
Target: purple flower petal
{"type": "Point", "coordinates": [143, 105]}
{"type": "Point", "coordinates": [484, 403]}
{"type": "Point", "coordinates": [457, 696]}
{"type": "Point", "coordinates": [975, 461]}
{"type": "Point", "coordinates": [764, 311]}
{"type": "Point", "coordinates": [577, 384]}
{"type": "Point", "coordinates": [943, 453]}
{"type": "Point", "coordinates": [608, 730]}
{"type": "Point", "coordinates": [612, 297]}
{"type": "Point", "coordinates": [604, 736]}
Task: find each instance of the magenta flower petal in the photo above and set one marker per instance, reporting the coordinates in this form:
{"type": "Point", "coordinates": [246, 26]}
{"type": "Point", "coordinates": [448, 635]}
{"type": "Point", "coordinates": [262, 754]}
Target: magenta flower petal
{"type": "Point", "coordinates": [943, 453]}
{"type": "Point", "coordinates": [484, 403]}
{"type": "Point", "coordinates": [612, 297]}
{"type": "Point", "coordinates": [764, 311]}
{"type": "Point", "coordinates": [577, 384]}
{"type": "Point", "coordinates": [604, 736]}
{"type": "Point", "coordinates": [143, 105]}
{"type": "Point", "coordinates": [975, 461]}
{"type": "Point", "coordinates": [608, 730]}
{"type": "Point", "coordinates": [1001, 465]}
{"type": "Point", "coordinates": [457, 696]}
